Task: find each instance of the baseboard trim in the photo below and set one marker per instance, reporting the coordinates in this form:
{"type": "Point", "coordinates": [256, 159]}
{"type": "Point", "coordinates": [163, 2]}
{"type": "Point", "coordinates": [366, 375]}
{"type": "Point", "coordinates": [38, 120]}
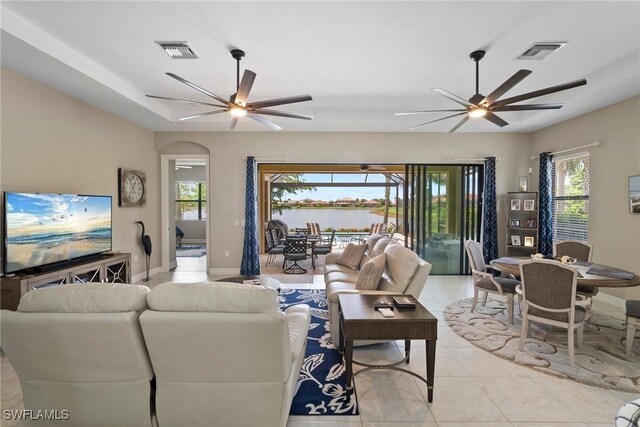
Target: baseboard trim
{"type": "Point", "coordinates": [173, 264]}
{"type": "Point", "coordinates": [235, 271]}
{"type": "Point", "coordinates": [138, 277]}
{"type": "Point", "coordinates": [611, 300]}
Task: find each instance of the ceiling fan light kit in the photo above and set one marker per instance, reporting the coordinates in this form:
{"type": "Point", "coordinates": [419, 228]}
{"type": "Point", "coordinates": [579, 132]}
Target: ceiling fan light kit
{"type": "Point", "coordinates": [237, 105]}
{"type": "Point", "coordinates": [480, 106]}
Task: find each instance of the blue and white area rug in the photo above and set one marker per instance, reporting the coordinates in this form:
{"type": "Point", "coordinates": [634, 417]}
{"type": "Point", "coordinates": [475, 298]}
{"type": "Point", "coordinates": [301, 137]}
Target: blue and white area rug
{"type": "Point", "coordinates": [321, 388]}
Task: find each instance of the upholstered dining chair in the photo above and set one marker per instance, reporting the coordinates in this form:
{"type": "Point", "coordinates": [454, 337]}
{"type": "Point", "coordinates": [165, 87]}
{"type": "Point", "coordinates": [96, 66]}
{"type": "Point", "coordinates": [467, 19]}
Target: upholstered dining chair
{"type": "Point", "coordinates": [633, 319]}
{"type": "Point", "coordinates": [548, 292]}
{"type": "Point", "coordinates": [581, 251]}
{"type": "Point", "coordinates": [295, 249]}
{"type": "Point", "coordinates": [484, 281]}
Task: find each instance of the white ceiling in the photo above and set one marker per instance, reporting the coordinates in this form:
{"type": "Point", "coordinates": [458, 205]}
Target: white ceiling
{"type": "Point", "coordinates": [361, 61]}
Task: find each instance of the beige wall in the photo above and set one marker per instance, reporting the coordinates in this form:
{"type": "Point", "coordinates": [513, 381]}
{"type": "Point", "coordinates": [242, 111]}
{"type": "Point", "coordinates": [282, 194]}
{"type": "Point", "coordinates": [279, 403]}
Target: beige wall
{"type": "Point", "coordinates": [614, 231]}
{"type": "Point", "coordinates": [227, 167]}
{"type": "Point", "coordinates": [54, 143]}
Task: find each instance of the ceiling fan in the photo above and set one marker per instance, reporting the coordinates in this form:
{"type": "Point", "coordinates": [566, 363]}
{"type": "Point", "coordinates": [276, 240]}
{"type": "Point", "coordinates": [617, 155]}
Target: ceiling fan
{"type": "Point", "coordinates": [366, 167]}
{"type": "Point", "coordinates": [486, 106]}
{"type": "Point", "coordinates": [237, 104]}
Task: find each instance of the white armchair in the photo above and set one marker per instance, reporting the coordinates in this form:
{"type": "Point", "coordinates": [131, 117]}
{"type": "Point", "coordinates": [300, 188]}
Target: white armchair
{"type": "Point", "coordinates": [80, 348]}
{"type": "Point", "coordinates": [223, 354]}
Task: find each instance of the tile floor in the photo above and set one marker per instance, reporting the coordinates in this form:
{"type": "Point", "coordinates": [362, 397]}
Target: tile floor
{"type": "Point", "coordinates": [472, 387]}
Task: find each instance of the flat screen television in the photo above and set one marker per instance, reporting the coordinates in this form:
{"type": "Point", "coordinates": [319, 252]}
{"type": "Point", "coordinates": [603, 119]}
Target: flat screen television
{"type": "Point", "coordinates": [43, 229]}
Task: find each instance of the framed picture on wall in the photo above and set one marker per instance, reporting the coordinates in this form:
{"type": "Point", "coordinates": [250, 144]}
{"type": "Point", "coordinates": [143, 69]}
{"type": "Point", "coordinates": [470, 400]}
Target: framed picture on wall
{"type": "Point", "coordinates": [529, 204]}
{"type": "Point", "coordinates": [634, 194]}
{"type": "Point", "coordinates": [513, 223]}
{"type": "Point", "coordinates": [515, 204]}
{"type": "Point", "coordinates": [515, 240]}
{"type": "Point", "coordinates": [531, 223]}
{"type": "Point", "coordinates": [528, 241]}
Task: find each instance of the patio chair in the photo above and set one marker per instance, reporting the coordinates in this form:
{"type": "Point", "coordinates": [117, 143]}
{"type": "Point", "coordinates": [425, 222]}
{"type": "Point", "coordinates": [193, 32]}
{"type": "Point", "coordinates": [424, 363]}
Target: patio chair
{"type": "Point", "coordinates": [295, 249]}
{"type": "Point", "coordinates": [273, 248]}
{"type": "Point", "coordinates": [314, 228]}
{"type": "Point", "coordinates": [484, 281]}
{"type": "Point", "coordinates": [583, 252]}
{"type": "Point", "coordinates": [323, 248]}
{"type": "Point", "coordinates": [548, 292]}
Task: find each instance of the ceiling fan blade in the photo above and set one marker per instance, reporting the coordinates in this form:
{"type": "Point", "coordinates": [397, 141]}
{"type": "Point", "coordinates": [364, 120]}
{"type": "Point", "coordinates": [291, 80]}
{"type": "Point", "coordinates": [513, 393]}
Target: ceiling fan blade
{"type": "Point", "coordinates": [279, 101]}
{"type": "Point", "coordinates": [505, 87]}
{"type": "Point", "coordinates": [437, 120]}
{"type": "Point", "coordinates": [453, 97]}
{"type": "Point", "coordinates": [198, 88]}
{"type": "Point", "coordinates": [528, 107]}
{"type": "Point", "coordinates": [186, 101]}
{"type": "Point", "coordinates": [460, 123]}
{"type": "Point", "coordinates": [408, 113]}
{"type": "Point", "coordinates": [233, 121]}
{"type": "Point", "coordinates": [209, 113]}
{"type": "Point", "coordinates": [282, 114]}
{"type": "Point", "coordinates": [263, 121]}
{"type": "Point", "coordinates": [540, 92]}
{"type": "Point", "coordinates": [245, 87]}
{"type": "Point", "coordinates": [495, 119]}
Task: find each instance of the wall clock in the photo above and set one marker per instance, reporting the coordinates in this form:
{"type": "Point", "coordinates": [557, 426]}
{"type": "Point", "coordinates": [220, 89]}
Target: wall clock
{"type": "Point", "coordinates": [132, 189]}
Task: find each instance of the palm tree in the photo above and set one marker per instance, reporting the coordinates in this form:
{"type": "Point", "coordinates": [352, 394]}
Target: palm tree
{"type": "Point", "coordinates": [387, 200]}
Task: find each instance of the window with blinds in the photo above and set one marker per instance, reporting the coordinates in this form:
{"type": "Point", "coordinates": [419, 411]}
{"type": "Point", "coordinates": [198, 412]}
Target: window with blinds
{"type": "Point", "coordinates": [570, 194]}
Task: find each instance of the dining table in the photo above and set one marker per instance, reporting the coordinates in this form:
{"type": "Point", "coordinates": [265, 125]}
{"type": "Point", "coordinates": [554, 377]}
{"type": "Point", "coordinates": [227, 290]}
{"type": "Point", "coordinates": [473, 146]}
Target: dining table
{"type": "Point", "coordinates": [589, 274]}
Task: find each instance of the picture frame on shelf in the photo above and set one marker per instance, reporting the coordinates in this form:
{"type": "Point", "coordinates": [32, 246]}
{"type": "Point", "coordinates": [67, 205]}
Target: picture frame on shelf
{"type": "Point", "coordinates": [523, 183]}
{"type": "Point", "coordinates": [515, 204]}
{"type": "Point", "coordinates": [514, 223]}
{"type": "Point", "coordinates": [531, 223]}
{"type": "Point", "coordinates": [528, 241]}
{"type": "Point", "coordinates": [515, 240]}
{"type": "Point", "coordinates": [529, 205]}
{"type": "Point", "coordinates": [634, 194]}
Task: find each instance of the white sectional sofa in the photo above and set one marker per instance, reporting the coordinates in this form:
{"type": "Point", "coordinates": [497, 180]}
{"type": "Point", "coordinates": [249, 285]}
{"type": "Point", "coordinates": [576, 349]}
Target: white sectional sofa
{"type": "Point", "coordinates": [221, 354]}
{"type": "Point", "coordinates": [405, 273]}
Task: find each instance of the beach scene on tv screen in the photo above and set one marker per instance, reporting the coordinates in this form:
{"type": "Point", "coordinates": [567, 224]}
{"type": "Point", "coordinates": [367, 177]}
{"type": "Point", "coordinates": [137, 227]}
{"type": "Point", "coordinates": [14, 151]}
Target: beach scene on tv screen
{"type": "Point", "coordinates": [48, 228]}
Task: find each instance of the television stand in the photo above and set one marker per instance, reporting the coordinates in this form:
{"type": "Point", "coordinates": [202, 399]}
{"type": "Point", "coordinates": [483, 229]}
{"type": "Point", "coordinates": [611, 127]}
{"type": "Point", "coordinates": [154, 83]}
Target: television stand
{"type": "Point", "coordinates": [103, 268]}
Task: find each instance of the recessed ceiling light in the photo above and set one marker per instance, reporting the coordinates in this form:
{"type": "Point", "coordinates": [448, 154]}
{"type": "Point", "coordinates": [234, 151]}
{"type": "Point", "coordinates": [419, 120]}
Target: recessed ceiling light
{"type": "Point", "coordinates": [178, 50]}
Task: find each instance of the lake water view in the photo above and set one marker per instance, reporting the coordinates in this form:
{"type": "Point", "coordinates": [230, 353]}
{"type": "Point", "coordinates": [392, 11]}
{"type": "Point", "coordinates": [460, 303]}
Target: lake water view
{"type": "Point", "coordinates": [330, 217]}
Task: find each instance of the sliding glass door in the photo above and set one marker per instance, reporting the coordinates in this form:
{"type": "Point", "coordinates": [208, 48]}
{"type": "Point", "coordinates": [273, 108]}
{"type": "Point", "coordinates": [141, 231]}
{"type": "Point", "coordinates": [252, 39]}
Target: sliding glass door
{"type": "Point", "coordinates": [442, 210]}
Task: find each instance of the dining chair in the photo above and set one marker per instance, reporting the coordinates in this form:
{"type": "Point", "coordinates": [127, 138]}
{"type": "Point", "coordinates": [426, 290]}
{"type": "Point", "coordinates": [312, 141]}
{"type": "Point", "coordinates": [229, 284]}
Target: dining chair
{"type": "Point", "coordinates": [583, 252]}
{"type": "Point", "coordinates": [484, 281]}
{"type": "Point", "coordinates": [295, 249]}
{"type": "Point", "coordinates": [548, 291]}
{"type": "Point", "coordinates": [314, 228]}
{"type": "Point", "coordinates": [633, 319]}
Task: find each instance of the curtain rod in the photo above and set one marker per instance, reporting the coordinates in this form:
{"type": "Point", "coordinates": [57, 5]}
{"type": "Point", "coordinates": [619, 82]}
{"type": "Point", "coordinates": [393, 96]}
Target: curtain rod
{"type": "Point", "coordinates": [593, 144]}
{"type": "Point", "coordinates": [269, 159]}
{"type": "Point", "coordinates": [473, 160]}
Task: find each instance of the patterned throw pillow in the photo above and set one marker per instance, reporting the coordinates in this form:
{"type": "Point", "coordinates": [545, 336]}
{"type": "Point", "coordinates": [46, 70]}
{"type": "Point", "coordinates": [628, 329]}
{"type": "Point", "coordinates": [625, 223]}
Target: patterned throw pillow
{"type": "Point", "coordinates": [351, 256]}
{"type": "Point", "coordinates": [371, 272]}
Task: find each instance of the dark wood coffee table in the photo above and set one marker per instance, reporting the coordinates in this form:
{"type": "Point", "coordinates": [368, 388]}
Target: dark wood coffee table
{"type": "Point", "coordinates": [360, 321]}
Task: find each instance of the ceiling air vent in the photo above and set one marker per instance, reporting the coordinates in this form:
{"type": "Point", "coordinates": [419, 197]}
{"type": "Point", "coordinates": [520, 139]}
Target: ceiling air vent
{"type": "Point", "coordinates": [538, 51]}
{"type": "Point", "coordinates": [178, 50]}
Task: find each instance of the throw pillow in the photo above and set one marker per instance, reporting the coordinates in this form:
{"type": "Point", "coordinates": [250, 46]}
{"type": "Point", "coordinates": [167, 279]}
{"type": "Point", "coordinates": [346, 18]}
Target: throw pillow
{"type": "Point", "coordinates": [351, 256]}
{"type": "Point", "coordinates": [371, 272]}
{"type": "Point", "coordinates": [365, 259]}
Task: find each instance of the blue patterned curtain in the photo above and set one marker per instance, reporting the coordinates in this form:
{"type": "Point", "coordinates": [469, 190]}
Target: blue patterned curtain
{"type": "Point", "coordinates": [489, 212]}
{"type": "Point", "coordinates": [545, 222]}
{"type": "Point", "coordinates": [250, 252]}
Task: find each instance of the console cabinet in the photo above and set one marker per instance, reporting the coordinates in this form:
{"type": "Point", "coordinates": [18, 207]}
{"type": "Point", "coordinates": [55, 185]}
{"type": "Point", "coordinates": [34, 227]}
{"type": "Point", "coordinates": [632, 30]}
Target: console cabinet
{"type": "Point", "coordinates": [106, 269]}
{"type": "Point", "coordinates": [522, 223]}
